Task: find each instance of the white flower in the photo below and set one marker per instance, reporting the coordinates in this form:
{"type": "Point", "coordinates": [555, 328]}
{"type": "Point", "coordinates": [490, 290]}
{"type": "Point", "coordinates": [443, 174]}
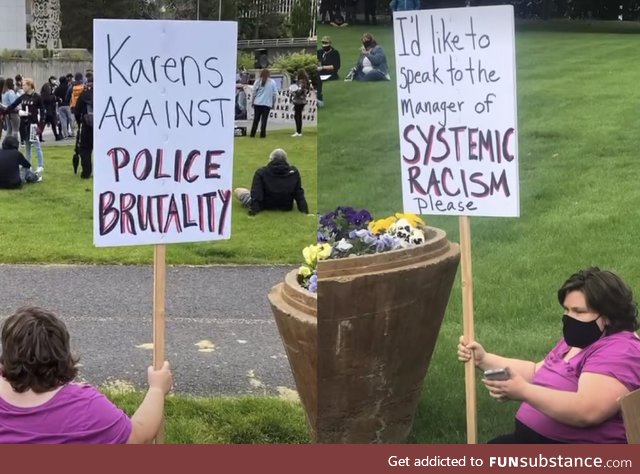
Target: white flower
{"type": "Point", "coordinates": [416, 237]}
{"type": "Point", "coordinates": [343, 246]}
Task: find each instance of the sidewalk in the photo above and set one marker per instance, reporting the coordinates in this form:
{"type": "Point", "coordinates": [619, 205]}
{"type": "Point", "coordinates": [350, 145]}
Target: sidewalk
{"type": "Point", "coordinates": [221, 337]}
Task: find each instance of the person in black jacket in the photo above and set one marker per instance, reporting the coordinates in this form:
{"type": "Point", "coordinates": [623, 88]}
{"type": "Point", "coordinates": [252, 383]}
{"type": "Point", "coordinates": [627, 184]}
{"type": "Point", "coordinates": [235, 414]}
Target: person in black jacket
{"type": "Point", "coordinates": [31, 121]}
{"type": "Point", "coordinates": [50, 104]}
{"type": "Point", "coordinates": [274, 186]}
{"type": "Point", "coordinates": [64, 110]}
{"type": "Point", "coordinates": [84, 110]}
{"type": "Point", "coordinates": [10, 162]}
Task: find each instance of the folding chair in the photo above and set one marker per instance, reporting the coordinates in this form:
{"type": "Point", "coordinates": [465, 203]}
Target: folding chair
{"type": "Point", "coordinates": [630, 405]}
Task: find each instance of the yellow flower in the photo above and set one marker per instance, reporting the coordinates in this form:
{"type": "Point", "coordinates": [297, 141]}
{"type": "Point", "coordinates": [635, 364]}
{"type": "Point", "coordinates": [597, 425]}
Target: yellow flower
{"type": "Point", "coordinates": [413, 219]}
{"type": "Point", "coordinates": [310, 254]}
{"type": "Point", "coordinates": [304, 271]}
{"type": "Point", "coordinates": [324, 251]}
{"type": "Point", "coordinates": [381, 226]}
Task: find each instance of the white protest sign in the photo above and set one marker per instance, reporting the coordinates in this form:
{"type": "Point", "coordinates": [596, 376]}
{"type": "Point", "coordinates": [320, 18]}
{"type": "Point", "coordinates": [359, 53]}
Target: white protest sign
{"type": "Point", "coordinates": [283, 111]}
{"type": "Point", "coordinates": [457, 111]}
{"type": "Point", "coordinates": [163, 131]}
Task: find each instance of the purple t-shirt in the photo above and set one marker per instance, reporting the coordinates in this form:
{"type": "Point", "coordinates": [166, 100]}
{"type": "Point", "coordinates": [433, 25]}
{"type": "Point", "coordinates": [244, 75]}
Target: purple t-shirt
{"type": "Point", "coordinates": [77, 414]}
{"type": "Point", "coordinates": [616, 356]}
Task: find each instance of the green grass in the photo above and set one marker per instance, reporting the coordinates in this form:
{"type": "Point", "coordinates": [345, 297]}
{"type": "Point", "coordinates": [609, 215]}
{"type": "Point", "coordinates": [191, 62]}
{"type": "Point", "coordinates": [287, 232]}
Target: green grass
{"type": "Point", "coordinates": [578, 119]}
{"type": "Point", "coordinates": [239, 420]}
{"type": "Point", "coordinates": [51, 222]}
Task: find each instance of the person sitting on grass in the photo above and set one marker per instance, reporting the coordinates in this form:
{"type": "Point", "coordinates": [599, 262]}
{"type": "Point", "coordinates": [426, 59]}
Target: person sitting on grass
{"type": "Point", "coordinates": [14, 167]}
{"type": "Point", "coordinates": [40, 403]}
{"type": "Point", "coordinates": [274, 186]}
{"type": "Point", "coordinates": [372, 63]}
{"type": "Point", "coordinates": [572, 396]}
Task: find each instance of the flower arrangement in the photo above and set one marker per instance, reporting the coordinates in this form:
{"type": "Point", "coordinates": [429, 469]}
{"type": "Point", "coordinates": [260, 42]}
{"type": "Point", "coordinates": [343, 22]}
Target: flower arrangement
{"type": "Point", "coordinates": [347, 232]}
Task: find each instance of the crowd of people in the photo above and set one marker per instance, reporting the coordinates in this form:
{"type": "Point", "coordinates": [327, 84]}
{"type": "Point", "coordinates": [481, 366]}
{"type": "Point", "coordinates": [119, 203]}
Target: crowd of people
{"type": "Point", "coordinates": [65, 104]}
{"type": "Point", "coordinates": [345, 12]}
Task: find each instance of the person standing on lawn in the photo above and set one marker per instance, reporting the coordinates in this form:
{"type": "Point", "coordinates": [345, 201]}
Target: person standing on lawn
{"type": "Point", "coordinates": [40, 403]}
{"type": "Point", "coordinates": [265, 95]}
{"type": "Point", "coordinates": [32, 121]}
{"type": "Point", "coordinates": [299, 98]}
{"type": "Point", "coordinates": [84, 110]}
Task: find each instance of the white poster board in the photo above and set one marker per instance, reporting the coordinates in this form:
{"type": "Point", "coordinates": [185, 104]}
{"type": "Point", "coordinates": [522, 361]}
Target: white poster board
{"type": "Point", "coordinates": [163, 131]}
{"type": "Point", "coordinates": [282, 113]}
{"type": "Point", "coordinates": [456, 80]}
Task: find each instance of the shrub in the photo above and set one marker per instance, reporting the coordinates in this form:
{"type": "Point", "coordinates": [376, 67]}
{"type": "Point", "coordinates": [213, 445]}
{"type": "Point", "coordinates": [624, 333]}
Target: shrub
{"type": "Point", "coordinates": [245, 59]}
{"type": "Point", "coordinates": [301, 19]}
{"type": "Point", "coordinates": [291, 62]}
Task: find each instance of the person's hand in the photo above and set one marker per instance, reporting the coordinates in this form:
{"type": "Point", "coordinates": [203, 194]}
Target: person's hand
{"type": "Point", "coordinates": [465, 350]}
{"type": "Point", "coordinates": [320, 68]}
{"type": "Point", "coordinates": [363, 49]}
{"type": "Point", "coordinates": [161, 379]}
{"type": "Point", "coordinates": [502, 390]}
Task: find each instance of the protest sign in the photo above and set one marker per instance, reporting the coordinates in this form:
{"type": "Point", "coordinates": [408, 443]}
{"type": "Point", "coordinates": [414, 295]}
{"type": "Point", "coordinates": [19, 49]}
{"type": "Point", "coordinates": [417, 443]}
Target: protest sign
{"type": "Point", "coordinates": [163, 131]}
{"type": "Point", "coordinates": [457, 111]}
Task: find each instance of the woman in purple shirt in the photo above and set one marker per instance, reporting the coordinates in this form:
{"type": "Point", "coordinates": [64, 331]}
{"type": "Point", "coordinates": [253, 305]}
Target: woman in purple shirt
{"type": "Point", "coordinates": [572, 395]}
{"type": "Point", "coordinates": [40, 404]}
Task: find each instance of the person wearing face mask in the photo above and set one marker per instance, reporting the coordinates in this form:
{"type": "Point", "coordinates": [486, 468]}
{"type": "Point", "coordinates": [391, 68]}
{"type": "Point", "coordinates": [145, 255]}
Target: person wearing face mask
{"type": "Point", "coordinates": [572, 395]}
{"type": "Point", "coordinates": [372, 63]}
{"type": "Point", "coordinates": [328, 66]}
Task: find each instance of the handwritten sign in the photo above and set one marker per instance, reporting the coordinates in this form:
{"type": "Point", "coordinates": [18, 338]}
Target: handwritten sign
{"type": "Point", "coordinates": [163, 131]}
{"type": "Point", "coordinates": [457, 111]}
{"type": "Point", "coordinates": [283, 111]}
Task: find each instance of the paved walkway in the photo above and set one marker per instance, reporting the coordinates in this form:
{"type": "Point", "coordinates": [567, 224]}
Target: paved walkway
{"type": "Point", "coordinates": [108, 310]}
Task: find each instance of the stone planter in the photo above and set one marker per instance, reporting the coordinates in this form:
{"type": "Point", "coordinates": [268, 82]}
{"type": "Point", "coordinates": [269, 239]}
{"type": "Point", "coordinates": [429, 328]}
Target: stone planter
{"type": "Point", "coordinates": [360, 357]}
{"type": "Point", "coordinates": [294, 309]}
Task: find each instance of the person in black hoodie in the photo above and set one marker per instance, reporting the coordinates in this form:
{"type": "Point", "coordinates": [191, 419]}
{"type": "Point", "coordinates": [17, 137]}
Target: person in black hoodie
{"type": "Point", "coordinates": [50, 104]}
{"type": "Point", "coordinates": [10, 162]}
{"type": "Point", "coordinates": [84, 110]}
{"type": "Point", "coordinates": [274, 186]}
{"type": "Point", "coordinates": [64, 110]}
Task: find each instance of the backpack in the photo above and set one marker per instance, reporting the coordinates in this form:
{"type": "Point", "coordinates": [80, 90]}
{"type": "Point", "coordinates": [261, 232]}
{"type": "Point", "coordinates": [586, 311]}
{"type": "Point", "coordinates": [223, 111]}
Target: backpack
{"type": "Point", "coordinates": [76, 90]}
{"type": "Point", "coordinates": [88, 117]}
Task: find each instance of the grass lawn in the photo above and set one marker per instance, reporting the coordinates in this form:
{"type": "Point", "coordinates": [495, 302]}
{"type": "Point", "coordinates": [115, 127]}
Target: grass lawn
{"type": "Point", "coordinates": [241, 420]}
{"type": "Point", "coordinates": [578, 117]}
{"type": "Point", "coordinates": [51, 222]}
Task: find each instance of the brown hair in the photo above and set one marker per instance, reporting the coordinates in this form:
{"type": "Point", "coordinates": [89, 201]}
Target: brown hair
{"type": "Point", "coordinates": [607, 294]}
{"type": "Point", "coordinates": [368, 37]}
{"type": "Point", "coordinates": [303, 76]}
{"type": "Point", "coordinates": [264, 75]}
{"type": "Point", "coordinates": [35, 351]}
{"type": "Point", "coordinates": [8, 85]}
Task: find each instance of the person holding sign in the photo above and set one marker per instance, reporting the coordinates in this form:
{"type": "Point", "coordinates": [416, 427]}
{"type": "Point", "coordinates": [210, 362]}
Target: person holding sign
{"type": "Point", "coordinates": [299, 92]}
{"type": "Point", "coordinates": [265, 95]}
{"type": "Point", "coordinates": [32, 120]}
{"type": "Point", "coordinates": [572, 395]}
{"type": "Point", "coordinates": [274, 186]}
{"type": "Point", "coordinates": [40, 404]}
{"type": "Point", "coordinates": [372, 63]}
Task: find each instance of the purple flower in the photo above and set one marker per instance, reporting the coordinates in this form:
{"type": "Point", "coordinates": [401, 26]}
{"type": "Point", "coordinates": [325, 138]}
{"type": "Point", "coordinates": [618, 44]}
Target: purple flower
{"type": "Point", "coordinates": [313, 283]}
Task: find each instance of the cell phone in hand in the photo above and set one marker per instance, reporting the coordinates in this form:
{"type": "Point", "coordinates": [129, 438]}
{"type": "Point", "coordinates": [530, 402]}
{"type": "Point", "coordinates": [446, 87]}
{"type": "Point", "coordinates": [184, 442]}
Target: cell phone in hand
{"type": "Point", "coordinates": [497, 374]}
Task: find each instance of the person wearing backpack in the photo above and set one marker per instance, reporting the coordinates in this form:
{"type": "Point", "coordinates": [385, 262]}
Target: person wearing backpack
{"type": "Point", "coordinates": [84, 144]}
{"type": "Point", "coordinates": [75, 90]}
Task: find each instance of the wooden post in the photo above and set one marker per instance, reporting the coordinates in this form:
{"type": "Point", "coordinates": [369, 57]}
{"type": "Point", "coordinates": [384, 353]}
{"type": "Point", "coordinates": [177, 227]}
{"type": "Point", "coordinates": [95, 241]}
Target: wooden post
{"type": "Point", "coordinates": [159, 298]}
{"type": "Point", "coordinates": [467, 326]}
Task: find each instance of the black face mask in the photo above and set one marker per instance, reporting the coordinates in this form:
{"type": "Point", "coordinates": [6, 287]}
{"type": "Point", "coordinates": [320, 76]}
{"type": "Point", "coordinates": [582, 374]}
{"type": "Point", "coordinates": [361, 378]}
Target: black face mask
{"type": "Point", "coordinates": [579, 333]}
{"type": "Point", "coordinates": [366, 44]}
{"type": "Point", "coordinates": [326, 47]}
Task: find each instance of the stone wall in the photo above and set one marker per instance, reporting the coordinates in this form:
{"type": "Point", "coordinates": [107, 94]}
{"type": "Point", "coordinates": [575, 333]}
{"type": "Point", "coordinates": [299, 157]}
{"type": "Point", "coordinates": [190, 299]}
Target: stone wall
{"type": "Point", "coordinates": [41, 69]}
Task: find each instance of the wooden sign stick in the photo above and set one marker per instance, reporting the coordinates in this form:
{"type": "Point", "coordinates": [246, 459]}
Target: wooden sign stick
{"type": "Point", "coordinates": [467, 326]}
{"type": "Point", "coordinates": [159, 298]}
